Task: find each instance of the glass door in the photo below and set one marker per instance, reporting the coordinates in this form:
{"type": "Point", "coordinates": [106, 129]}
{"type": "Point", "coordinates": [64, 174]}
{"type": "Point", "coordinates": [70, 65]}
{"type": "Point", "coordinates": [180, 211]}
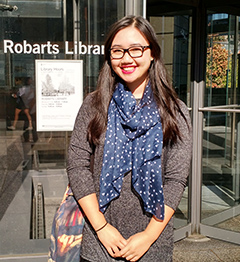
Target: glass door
{"type": "Point", "coordinates": [220, 212]}
{"type": "Point", "coordinates": [25, 153]}
{"type": "Point", "coordinates": [173, 26]}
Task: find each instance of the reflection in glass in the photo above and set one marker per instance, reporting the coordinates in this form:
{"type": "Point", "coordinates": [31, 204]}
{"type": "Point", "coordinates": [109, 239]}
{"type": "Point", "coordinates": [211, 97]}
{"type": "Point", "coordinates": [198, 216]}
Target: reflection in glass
{"type": "Point", "coordinates": [174, 37]}
{"type": "Point", "coordinates": [221, 129]}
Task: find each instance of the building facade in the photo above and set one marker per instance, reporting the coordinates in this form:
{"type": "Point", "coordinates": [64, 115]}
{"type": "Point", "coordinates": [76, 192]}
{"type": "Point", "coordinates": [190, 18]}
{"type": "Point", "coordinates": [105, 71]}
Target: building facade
{"type": "Point", "coordinates": [51, 52]}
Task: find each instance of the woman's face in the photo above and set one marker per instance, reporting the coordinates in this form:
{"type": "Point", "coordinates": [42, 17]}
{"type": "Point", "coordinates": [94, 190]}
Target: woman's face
{"type": "Point", "coordinates": [133, 71]}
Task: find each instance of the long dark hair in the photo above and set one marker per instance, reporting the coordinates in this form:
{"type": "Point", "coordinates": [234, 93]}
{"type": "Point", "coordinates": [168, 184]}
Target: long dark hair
{"type": "Point", "coordinates": [164, 94]}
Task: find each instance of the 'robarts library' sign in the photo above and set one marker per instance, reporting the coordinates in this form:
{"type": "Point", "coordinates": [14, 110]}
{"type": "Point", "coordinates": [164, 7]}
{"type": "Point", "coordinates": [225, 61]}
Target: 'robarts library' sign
{"type": "Point", "coordinates": [52, 49]}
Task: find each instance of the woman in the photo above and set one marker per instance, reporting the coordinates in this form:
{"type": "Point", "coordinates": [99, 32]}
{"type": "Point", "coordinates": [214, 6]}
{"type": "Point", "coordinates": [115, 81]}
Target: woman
{"type": "Point", "coordinates": [140, 136]}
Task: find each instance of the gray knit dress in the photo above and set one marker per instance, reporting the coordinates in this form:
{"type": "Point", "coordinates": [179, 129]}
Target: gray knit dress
{"type": "Point", "coordinates": [126, 212]}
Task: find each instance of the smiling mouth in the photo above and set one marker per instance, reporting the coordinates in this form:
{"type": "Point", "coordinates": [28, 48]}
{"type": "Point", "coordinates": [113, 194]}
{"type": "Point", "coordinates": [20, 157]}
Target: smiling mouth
{"type": "Point", "coordinates": [128, 70]}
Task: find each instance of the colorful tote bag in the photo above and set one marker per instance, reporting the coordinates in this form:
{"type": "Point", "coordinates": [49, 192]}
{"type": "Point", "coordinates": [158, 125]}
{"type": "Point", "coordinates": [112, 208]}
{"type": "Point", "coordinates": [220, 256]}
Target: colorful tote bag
{"type": "Point", "coordinates": [66, 235]}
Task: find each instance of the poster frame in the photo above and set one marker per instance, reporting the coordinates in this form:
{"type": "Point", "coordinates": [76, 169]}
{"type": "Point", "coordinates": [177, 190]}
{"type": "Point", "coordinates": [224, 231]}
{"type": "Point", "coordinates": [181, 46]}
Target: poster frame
{"type": "Point", "coordinates": [59, 93]}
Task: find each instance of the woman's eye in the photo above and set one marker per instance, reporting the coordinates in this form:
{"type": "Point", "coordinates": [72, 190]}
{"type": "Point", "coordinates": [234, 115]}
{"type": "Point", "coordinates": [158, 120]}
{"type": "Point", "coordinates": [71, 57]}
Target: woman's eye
{"type": "Point", "coordinates": [117, 51]}
{"type": "Point", "coordinates": [136, 49]}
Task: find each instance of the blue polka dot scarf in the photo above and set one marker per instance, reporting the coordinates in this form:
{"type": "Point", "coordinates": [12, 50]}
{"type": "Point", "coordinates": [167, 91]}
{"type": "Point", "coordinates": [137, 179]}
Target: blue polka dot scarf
{"type": "Point", "coordinates": [133, 142]}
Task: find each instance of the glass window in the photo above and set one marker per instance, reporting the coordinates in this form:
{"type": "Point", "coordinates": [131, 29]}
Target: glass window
{"type": "Point", "coordinates": [221, 182]}
{"type": "Point", "coordinates": [174, 36]}
{"type": "Point", "coordinates": [32, 163]}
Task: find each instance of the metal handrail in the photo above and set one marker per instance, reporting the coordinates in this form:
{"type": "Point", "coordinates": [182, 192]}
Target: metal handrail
{"type": "Point", "coordinates": [224, 109]}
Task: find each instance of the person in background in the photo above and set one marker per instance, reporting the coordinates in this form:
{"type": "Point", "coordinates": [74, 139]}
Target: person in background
{"type": "Point", "coordinates": [139, 133]}
{"type": "Point", "coordinates": [23, 102]}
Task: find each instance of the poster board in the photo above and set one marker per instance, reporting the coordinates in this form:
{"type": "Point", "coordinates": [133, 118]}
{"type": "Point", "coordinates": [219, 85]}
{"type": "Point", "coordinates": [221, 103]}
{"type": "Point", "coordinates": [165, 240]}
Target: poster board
{"type": "Point", "coordinates": [59, 93]}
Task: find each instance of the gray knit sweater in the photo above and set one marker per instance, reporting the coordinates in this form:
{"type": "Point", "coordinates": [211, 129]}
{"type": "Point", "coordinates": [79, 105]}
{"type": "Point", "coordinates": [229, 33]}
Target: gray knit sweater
{"type": "Point", "coordinates": [126, 212]}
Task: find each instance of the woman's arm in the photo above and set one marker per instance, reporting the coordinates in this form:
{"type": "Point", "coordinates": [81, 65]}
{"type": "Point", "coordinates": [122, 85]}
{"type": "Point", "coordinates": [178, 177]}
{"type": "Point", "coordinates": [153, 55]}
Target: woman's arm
{"type": "Point", "coordinates": [89, 204]}
{"type": "Point", "coordinates": [138, 244]}
{"type": "Point", "coordinates": [83, 182]}
{"type": "Point", "coordinates": [79, 153]}
{"type": "Point", "coordinates": [156, 226]}
{"type": "Point", "coordinates": [107, 234]}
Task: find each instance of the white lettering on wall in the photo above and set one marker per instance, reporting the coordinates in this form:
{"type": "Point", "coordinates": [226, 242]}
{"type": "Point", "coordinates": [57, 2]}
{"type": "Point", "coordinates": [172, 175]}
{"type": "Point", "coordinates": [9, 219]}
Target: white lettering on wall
{"type": "Point", "coordinates": [77, 48]}
{"type": "Point", "coordinates": [67, 49]}
{"type": "Point", "coordinates": [7, 46]}
{"type": "Point", "coordinates": [26, 48]}
{"type": "Point", "coordinates": [80, 49]}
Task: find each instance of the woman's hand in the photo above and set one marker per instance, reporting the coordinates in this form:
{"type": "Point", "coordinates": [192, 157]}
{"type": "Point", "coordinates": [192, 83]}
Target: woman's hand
{"type": "Point", "coordinates": [109, 236]}
{"type": "Point", "coordinates": [112, 240]}
{"type": "Point", "coordinates": [137, 246]}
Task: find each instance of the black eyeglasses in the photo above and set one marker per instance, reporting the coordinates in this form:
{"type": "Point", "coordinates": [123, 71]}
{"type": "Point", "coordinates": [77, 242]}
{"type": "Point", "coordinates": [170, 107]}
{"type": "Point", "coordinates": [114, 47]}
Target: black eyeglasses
{"type": "Point", "coordinates": [134, 51]}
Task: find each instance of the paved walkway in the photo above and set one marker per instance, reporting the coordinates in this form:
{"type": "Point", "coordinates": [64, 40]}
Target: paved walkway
{"type": "Point", "coordinates": [209, 251]}
{"type": "Point", "coordinates": [184, 251]}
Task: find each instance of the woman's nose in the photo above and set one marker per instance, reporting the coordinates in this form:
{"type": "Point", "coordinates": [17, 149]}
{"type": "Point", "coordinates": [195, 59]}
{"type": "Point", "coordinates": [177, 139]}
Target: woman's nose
{"type": "Point", "coordinates": [126, 57]}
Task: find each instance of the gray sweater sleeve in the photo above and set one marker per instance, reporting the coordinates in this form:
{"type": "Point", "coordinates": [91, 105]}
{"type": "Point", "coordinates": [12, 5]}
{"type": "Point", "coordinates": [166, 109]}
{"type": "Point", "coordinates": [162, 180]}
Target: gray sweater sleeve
{"type": "Point", "coordinates": [176, 162]}
{"type": "Point", "coordinates": [79, 153]}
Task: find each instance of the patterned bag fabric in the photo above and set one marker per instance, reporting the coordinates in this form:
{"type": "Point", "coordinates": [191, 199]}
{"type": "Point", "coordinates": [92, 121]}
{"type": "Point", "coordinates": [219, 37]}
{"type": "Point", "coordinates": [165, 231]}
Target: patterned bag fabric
{"type": "Point", "coordinates": [66, 235]}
